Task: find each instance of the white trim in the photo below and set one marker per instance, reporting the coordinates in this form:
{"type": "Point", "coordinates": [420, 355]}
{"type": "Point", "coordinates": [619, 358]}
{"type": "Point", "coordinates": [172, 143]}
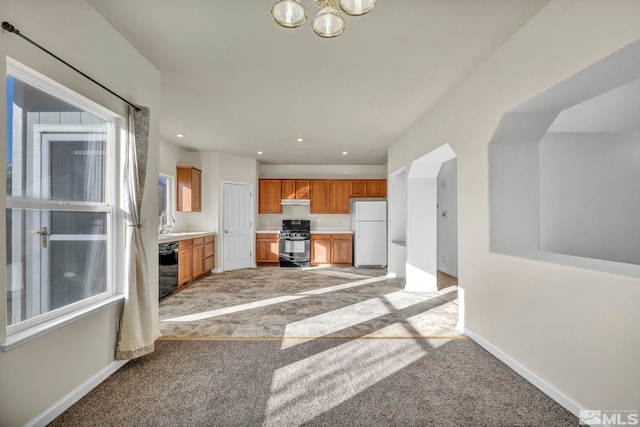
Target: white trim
{"type": "Point", "coordinates": [53, 411]}
{"type": "Point", "coordinates": [44, 83]}
{"type": "Point", "coordinates": [564, 400]}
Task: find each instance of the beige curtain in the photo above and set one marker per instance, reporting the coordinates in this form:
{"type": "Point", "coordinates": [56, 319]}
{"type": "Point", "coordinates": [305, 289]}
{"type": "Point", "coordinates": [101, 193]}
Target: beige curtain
{"type": "Point", "coordinates": [137, 333]}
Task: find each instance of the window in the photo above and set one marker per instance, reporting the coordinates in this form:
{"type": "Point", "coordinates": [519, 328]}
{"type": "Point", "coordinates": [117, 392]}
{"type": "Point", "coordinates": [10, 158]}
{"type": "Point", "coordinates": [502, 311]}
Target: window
{"type": "Point", "coordinates": [59, 200]}
{"type": "Point", "coordinates": [166, 191]}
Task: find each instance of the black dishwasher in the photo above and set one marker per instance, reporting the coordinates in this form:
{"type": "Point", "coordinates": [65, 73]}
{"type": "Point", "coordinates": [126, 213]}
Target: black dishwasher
{"type": "Point", "coordinates": [168, 270]}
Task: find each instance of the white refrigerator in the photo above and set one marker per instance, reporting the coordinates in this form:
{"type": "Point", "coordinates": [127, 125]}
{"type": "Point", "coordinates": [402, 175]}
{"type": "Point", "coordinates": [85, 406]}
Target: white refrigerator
{"type": "Point", "coordinates": [369, 225]}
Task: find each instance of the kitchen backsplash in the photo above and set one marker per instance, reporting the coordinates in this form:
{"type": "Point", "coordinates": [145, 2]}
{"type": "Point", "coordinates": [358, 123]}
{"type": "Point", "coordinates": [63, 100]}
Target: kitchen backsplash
{"type": "Point", "coordinates": [318, 222]}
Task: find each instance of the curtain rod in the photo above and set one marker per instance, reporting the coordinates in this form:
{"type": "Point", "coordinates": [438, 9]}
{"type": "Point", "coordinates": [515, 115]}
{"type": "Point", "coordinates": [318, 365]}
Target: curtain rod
{"type": "Point", "coordinates": [10, 28]}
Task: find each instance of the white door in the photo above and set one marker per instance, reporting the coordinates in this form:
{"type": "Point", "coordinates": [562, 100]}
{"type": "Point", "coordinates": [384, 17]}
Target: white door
{"type": "Point", "coordinates": [236, 226]}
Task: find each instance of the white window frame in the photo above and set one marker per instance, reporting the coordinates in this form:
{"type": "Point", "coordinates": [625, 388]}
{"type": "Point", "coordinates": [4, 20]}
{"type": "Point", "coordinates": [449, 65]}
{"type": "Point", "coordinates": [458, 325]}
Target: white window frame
{"type": "Point", "coordinates": [171, 193]}
{"type": "Point", "coordinates": [43, 323]}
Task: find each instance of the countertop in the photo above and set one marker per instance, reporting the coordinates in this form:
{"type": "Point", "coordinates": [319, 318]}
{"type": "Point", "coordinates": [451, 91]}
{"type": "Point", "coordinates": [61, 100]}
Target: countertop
{"type": "Point", "coordinates": [312, 231]}
{"type": "Point", "coordinates": [182, 235]}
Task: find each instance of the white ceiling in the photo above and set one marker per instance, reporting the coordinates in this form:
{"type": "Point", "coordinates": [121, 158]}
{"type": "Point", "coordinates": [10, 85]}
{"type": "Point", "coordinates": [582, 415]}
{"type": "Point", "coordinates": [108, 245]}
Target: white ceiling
{"type": "Point", "coordinates": [234, 81]}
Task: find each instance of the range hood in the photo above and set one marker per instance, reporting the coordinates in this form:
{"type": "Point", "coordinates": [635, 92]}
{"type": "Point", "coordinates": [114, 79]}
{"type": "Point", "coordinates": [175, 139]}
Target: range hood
{"type": "Point", "coordinates": [294, 202]}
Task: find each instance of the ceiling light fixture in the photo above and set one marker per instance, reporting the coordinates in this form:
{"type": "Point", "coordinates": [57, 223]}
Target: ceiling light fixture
{"type": "Point", "coordinates": [328, 22]}
{"type": "Point", "coordinates": [179, 135]}
{"type": "Point", "coordinates": [259, 152]}
{"type": "Point", "coordinates": [344, 153]}
{"type": "Point", "coordinates": [300, 140]}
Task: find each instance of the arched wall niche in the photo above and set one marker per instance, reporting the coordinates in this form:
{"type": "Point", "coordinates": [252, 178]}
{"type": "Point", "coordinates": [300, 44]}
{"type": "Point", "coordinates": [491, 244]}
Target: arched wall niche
{"type": "Point", "coordinates": [565, 171]}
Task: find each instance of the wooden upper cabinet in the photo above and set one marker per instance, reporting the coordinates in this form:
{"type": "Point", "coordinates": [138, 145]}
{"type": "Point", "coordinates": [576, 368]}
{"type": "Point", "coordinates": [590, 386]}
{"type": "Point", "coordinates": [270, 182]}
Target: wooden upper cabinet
{"type": "Point", "coordinates": [319, 195]}
{"type": "Point", "coordinates": [340, 193]}
{"type": "Point", "coordinates": [288, 189]}
{"type": "Point", "coordinates": [377, 188]}
{"type": "Point", "coordinates": [302, 188]}
{"type": "Point", "coordinates": [269, 196]}
{"type": "Point", "coordinates": [189, 189]}
{"type": "Point", "coordinates": [295, 188]}
{"type": "Point", "coordinates": [196, 194]}
{"type": "Point", "coordinates": [369, 188]}
{"type": "Point", "coordinates": [358, 188]}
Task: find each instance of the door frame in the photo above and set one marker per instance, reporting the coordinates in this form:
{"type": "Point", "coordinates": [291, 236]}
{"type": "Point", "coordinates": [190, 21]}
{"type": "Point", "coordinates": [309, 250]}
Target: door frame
{"type": "Point", "coordinates": [252, 218]}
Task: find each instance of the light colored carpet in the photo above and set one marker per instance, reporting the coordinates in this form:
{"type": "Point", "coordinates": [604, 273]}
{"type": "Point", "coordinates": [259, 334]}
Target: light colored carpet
{"type": "Point", "coordinates": [377, 382]}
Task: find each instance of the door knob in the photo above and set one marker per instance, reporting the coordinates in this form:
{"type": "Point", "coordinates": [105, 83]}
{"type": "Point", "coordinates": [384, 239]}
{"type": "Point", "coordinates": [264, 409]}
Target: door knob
{"type": "Point", "coordinates": [226, 231]}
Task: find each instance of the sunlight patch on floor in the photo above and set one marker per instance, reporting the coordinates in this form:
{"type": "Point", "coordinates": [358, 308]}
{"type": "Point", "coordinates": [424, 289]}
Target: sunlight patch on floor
{"type": "Point", "coordinates": [336, 320]}
{"type": "Point", "coordinates": [271, 301]}
{"type": "Point", "coordinates": [306, 389]}
{"type": "Point", "coordinates": [339, 274]}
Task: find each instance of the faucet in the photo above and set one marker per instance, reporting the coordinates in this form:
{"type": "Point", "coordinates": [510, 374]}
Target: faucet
{"type": "Point", "coordinates": [166, 227]}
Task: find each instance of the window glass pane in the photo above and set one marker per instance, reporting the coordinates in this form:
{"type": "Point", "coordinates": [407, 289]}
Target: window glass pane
{"type": "Point", "coordinates": [57, 150]}
{"type": "Point", "coordinates": [163, 195]}
{"type": "Point", "coordinates": [77, 170]}
{"type": "Point", "coordinates": [53, 259]}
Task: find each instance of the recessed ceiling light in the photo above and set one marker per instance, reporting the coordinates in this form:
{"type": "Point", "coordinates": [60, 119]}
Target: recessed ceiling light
{"type": "Point", "coordinates": [344, 153]}
{"type": "Point", "coordinates": [259, 152]}
{"type": "Point", "coordinates": [300, 140]}
{"type": "Point", "coordinates": [179, 135]}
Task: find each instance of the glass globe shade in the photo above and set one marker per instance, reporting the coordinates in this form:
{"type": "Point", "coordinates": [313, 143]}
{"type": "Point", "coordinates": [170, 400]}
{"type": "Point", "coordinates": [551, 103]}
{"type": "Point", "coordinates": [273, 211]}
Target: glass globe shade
{"type": "Point", "coordinates": [357, 7]}
{"type": "Point", "coordinates": [328, 23]}
{"type": "Point", "coordinates": [289, 13]}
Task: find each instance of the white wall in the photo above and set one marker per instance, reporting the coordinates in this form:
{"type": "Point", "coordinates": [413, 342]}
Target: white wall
{"type": "Point", "coordinates": [574, 329]}
{"type": "Point", "coordinates": [37, 374]}
{"type": "Point", "coordinates": [216, 167]}
{"type": "Point", "coordinates": [448, 218]}
{"type": "Point", "coordinates": [590, 195]}
{"type": "Point", "coordinates": [397, 223]}
{"type": "Point", "coordinates": [422, 246]}
{"type": "Point", "coordinates": [323, 171]}
{"type": "Point", "coordinates": [319, 222]}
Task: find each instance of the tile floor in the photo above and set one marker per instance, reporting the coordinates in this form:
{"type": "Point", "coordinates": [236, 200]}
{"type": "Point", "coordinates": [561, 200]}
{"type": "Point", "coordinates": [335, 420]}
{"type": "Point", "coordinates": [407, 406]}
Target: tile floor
{"type": "Point", "coordinates": [295, 303]}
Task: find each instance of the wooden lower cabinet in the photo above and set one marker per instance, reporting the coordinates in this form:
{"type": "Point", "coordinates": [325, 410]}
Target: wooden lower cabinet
{"type": "Point", "coordinates": [185, 262]}
{"type": "Point", "coordinates": [331, 249]}
{"type": "Point", "coordinates": [195, 259]}
{"type": "Point", "coordinates": [320, 249]}
{"type": "Point", "coordinates": [209, 253]}
{"type": "Point", "coordinates": [198, 258]}
{"type": "Point", "coordinates": [342, 249]}
{"type": "Point", "coordinates": [268, 249]}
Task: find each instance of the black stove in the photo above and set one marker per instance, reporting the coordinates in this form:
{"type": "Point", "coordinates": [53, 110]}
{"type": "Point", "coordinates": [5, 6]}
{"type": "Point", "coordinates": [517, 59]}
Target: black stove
{"type": "Point", "coordinates": [295, 243]}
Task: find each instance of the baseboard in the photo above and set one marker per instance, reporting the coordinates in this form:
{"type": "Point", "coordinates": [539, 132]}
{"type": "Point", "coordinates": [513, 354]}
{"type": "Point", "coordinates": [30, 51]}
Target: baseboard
{"type": "Point", "coordinates": [449, 272]}
{"type": "Point", "coordinates": [49, 414]}
{"type": "Point", "coordinates": [216, 270]}
{"type": "Point", "coordinates": [544, 386]}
